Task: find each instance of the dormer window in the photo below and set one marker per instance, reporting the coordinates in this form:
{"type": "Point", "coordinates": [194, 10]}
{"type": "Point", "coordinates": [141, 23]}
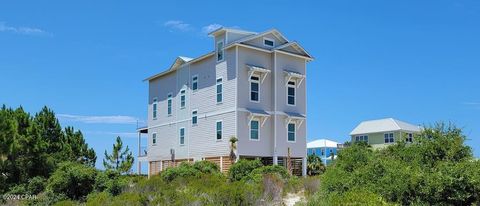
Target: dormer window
{"type": "Point", "coordinates": [268, 42]}
{"type": "Point", "coordinates": [219, 51]}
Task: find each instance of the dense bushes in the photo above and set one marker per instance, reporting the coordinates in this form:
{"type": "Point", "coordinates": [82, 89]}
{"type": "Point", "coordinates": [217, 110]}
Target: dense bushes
{"type": "Point", "coordinates": [190, 170]}
{"type": "Point", "coordinates": [74, 180]}
{"type": "Point", "coordinates": [243, 168]}
{"type": "Point", "coordinates": [438, 169]}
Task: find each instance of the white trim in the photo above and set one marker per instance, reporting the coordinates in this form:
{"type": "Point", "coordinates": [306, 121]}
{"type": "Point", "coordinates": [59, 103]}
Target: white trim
{"type": "Point", "coordinates": [294, 132]}
{"type": "Point", "coordinates": [292, 54]}
{"type": "Point", "coordinates": [250, 81]}
{"type": "Point", "coordinates": [196, 115]}
{"type": "Point", "coordinates": [274, 78]}
{"type": "Point", "coordinates": [217, 50]}
{"type": "Point", "coordinates": [200, 116]}
{"type": "Point", "coordinates": [268, 39]}
{"type": "Point", "coordinates": [180, 136]}
{"type": "Point", "coordinates": [294, 93]}
{"type": "Point", "coordinates": [221, 130]}
{"type": "Point", "coordinates": [216, 89]}
{"type": "Point", "coordinates": [236, 98]}
{"type": "Point", "coordinates": [250, 129]}
{"type": "Point", "coordinates": [195, 81]}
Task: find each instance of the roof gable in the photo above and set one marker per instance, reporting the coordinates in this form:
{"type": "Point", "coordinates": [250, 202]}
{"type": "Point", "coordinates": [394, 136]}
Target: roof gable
{"type": "Point", "coordinates": [383, 125]}
{"type": "Point", "coordinates": [293, 47]}
{"type": "Point", "coordinates": [322, 143]}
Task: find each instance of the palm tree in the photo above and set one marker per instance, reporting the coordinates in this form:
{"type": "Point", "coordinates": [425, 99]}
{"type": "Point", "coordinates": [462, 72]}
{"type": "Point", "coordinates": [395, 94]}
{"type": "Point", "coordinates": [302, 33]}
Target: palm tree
{"type": "Point", "coordinates": [314, 165]}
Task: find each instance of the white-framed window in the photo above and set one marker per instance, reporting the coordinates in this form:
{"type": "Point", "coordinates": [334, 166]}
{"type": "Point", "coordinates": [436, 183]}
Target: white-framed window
{"type": "Point", "coordinates": [219, 90]}
{"type": "Point", "coordinates": [154, 138]}
{"type": "Point", "coordinates": [389, 138]}
{"type": "Point", "coordinates": [291, 93]}
{"type": "Point", "coordinates": [154, 108]}
{"type": "Point", "coordinates": [169, 104]}
{"type": "Point", "coordinates": [361, 138]}
{"type": "Point", "coordinates": [219, 130]}
{"type": "Point", "coordinates": [194, 117]}
{"type": "Point", "coordinates": [254, 130]}
{"type": "Point", "coordinates": [268, 42]}
{"type": "Point", "coordinates": [220, 51]}
{"type": "Point", "coordinates": [183, 99]}
{"type": "Point", "coordinates": [195, 83]}
{"type": "Point", "coordinates": [182, 136]}
{"type": "Point", "coordinates": [409, 137]}
{"type": "Point", "coordinates": [291, 132]}
{"type": "Point", "coordinates": [255, 88]}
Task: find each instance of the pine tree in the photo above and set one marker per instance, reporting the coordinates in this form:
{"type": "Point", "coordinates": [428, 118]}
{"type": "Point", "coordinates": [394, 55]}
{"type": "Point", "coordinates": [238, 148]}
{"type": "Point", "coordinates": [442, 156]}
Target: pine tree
{"type": "Point", "coordinates": [120, 160]}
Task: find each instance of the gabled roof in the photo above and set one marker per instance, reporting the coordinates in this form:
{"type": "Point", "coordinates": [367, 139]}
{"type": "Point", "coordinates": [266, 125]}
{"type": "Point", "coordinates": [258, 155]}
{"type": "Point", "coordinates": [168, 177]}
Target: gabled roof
{"type": "Point", "coordinates": [274, 32]}
{"type": "Point", "coordinates": [294, 45]}
{"type": "Point", "coordinates": [225, 29]}
{"type": "Point", "coordinates": [322, 143]}
{"type": "Point", "coordinates": [384, 125]}
{"type": "Point", "coordinates": [180, 60]}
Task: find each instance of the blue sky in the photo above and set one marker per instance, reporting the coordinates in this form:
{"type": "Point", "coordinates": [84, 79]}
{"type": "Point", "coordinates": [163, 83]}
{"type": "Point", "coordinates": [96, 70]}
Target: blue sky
{"type": "Point", "coordinates": [417, 61]}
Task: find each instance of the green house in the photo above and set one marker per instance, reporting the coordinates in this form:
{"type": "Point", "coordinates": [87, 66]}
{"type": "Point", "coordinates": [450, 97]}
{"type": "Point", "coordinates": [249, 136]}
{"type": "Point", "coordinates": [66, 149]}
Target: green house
{"type": "Point", "coordinates": [383, 132]}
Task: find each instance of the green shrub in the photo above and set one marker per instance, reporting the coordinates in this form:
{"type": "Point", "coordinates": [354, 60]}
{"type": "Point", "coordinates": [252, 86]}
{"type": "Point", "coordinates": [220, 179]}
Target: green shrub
{"type": "Point", "coordinates": [353, 197]}
{"type": "Point", "coordinates": [190, 170]}
{"type": "Point", "coordinates": [65, 203]}
{"type": "Point", "coordinates": [110, 181]}
{"type": "Point", "coordinates": [128, 198]}
{"type": "Point", "coordinates": [36, 185]}
{"type": "Point", "coordinates": [271, 169]}
{"type": "Point", "coordinates": [243, 168]}
{"type": "Point", "coordinates": [18, 189]}
{"type": "Point", "coordinates": [206, 167]}
{"type": "Point", "coordinates": [74, 180]}
{"type": "Point", "coordinates": [101, 198]}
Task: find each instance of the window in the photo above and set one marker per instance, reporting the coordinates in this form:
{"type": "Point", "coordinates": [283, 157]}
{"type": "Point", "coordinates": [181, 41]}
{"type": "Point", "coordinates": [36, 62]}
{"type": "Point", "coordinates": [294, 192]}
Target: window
{"type": "Point", "coordinates": [361, 138]}
{"type": "Point", "coordinates": [154, 138]}
{"type": "Point", "coordinates": [195, 83]}
{"type": "Point", "coordinates": [219, 130]}
{"type": "Point", "coordinates": [254, 88]}
{"type": "Point", "coordinates": [254, 130]}
{"type": "Point", "coordinates": [154, 108]}
{"type": "Point", "coordinates": [219, 90]}
{"type": "Point", "coordinates": [389, 138]}
{"type": "Point", "coordinates": [219, 51]}
{"type": "Point", "coordinates": [291, 93]}
{"type": "Point", "coordinates": [169, 104]}
{"type": "Point", "coordinates": [194, 117]}
{"type": "Point", "coordinates": [182, 99]}
{"type": "Point", "coordinates": [323, 153]}
{"type": "Point", "coordinates": [268, 42]}
{"type": "Point", "coordinates": [182, 136]}
{"type": "Point", "coordinates": [291, 132]}
{"type": "Point", "coordinates": [409, 137]}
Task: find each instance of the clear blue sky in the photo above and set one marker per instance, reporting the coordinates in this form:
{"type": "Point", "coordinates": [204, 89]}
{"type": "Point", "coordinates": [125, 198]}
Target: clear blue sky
{"type": "Point", "coordinates": [417, 61]}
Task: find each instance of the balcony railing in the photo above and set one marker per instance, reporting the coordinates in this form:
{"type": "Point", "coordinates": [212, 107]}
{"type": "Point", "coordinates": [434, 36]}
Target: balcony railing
{"type": "Point", "coordinates": [143, 151]}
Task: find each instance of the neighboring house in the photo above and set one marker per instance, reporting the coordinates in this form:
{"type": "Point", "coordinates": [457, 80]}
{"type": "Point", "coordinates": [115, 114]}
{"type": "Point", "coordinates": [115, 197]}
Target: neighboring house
{"type": "Point", "coordinates": [382, 132]}
{"type": "Point", "coordinates": [252, 86]}
{"type": "Point", "coordinates": [324, 148]}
